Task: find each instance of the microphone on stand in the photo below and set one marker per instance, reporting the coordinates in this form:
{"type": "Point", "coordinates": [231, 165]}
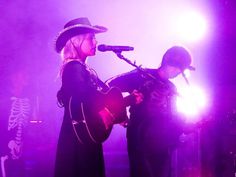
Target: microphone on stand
{"type": "Point", "coordinates": [104, 48]}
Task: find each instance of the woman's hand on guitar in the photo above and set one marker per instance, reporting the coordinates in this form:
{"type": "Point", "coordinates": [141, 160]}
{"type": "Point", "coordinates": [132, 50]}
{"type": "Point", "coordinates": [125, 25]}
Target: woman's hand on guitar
{"type": "Point", "coordinates": [138, 96]}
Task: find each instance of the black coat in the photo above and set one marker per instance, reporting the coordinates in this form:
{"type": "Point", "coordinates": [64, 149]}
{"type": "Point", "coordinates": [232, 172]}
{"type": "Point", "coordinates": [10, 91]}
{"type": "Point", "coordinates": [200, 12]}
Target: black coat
{"type": "Point", "coordinates": [153, 128]}
{"type": "Point", "coordinates": [73, 158]}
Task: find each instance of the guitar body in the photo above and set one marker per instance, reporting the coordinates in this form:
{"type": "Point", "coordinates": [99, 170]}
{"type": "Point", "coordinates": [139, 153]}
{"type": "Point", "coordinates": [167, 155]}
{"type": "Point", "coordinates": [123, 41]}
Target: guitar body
{"type": "Point", "coordinates": [92, 128]}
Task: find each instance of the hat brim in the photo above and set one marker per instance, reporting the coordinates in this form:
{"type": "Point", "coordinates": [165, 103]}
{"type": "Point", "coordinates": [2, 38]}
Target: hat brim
{"type": "Point", "coordinates": [72, 31]}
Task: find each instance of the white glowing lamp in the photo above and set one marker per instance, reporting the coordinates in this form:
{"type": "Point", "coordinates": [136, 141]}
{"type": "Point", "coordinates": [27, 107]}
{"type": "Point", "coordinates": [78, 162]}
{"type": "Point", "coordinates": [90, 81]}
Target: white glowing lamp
{"type": "Point", "coordinates": [191, 26]}
{"type": "Point", "coordinates": [191, 102]}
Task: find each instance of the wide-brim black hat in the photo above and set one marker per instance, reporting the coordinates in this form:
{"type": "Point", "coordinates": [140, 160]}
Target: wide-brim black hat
{"type": "Point", "coordinates": [76, 27]}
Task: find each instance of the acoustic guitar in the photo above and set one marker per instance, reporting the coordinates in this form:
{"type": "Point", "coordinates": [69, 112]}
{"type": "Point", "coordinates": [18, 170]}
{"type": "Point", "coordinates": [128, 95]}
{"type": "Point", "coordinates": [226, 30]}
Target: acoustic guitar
{"type": "Point", "coordinates": [92, 128]}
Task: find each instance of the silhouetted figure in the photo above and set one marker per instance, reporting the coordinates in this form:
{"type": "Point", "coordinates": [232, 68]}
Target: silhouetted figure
{"type": "Point", "coordinates": [87, 121]}
{"type": "Point", "coordinates": [153, 131]}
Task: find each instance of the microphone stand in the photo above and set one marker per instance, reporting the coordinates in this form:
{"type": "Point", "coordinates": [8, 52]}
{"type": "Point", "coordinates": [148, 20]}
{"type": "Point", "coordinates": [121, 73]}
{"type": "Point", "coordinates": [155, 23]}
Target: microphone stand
{"type": "Point", "coordinates": [139, 68]}
{"type": "Point", "coordinates": [119, 55]}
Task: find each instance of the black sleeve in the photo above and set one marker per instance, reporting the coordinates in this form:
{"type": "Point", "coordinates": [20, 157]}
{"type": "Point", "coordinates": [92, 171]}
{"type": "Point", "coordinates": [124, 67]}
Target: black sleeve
{"type": "Point", "coordinates": [127, 82]}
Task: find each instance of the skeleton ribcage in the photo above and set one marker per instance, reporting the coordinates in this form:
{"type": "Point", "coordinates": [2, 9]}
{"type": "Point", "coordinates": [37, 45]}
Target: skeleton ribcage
{"type": "Point", "coordinates": [20, 111]}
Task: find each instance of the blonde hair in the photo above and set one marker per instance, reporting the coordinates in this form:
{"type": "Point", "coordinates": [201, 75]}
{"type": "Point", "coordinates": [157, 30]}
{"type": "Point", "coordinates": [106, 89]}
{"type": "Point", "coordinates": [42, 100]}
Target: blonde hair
{"type": "Point", "coordinates": [69, 51]}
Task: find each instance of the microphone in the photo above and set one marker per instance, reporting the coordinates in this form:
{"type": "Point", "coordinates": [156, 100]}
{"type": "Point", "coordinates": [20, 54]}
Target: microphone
{"type": "Point", "coordinates": [104, 48]}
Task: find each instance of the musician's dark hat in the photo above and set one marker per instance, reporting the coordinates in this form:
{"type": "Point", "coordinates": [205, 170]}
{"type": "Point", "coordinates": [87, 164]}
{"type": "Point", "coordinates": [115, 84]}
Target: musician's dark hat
{"type": "Point", "coordinates": [179, 57]}
{"type": "Point", "coordinates": [75, 27]}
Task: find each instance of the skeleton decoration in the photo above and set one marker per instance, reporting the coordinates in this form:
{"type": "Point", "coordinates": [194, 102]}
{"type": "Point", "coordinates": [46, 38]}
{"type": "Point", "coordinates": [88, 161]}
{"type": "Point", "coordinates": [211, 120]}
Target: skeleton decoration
{"type": "Point", "coordinates": [19, 115]}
